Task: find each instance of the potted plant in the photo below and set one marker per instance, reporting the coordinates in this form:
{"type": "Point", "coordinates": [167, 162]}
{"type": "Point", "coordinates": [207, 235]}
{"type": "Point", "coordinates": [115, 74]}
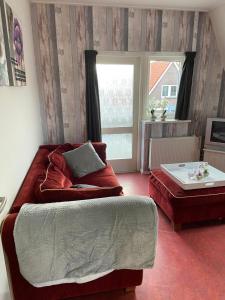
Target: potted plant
{"type": "Point", "coordinates": [163, 116]}
{"type": "Point", "coordinates": [152, 108]}
{"type": "Point", "coordinates": [153, 116]}
{"type": "Point", "coordinates": [163, 105]}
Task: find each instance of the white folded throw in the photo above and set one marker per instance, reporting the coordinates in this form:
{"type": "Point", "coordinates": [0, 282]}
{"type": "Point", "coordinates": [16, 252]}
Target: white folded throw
{"type": "Point", "coordinates": [79, 241]}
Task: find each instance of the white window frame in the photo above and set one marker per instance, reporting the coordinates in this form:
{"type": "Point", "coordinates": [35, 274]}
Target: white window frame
{"type": "Point", "coordinates": [107, 57]}
{"type": "Point", "coordinates": [160, 56]}
{"type": "Point", "coordinates": [145, 58]}
{"type": "Point", "coordinates": [169, 96]}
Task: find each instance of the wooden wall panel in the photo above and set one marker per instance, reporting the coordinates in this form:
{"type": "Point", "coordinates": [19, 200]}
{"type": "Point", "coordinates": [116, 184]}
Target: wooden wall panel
{"type": "Point", "coordinates": [177, 30]}
{"type": "Point", "coordinates": [100, 32]}
{"type": "Point", "coordinates": [110, 28]}
{"type": "Point", "coordinates": [135, 31]}
{"type": "Point", "coordinates": [66, 69]}
{"type": "Point", "coordinates": [153, 30]}
{"type": "Point", "coordinates": [120, 29]}
{"type": "Point", "coordinates": [206, 78]}
{"type": "Point", "coordinates": [221, 105]}
{"type": "Point", "coordinates": [71, 40]}
{"type": "Point", "coordinates": [214, 75]}
{"type": "Point", "coordinates": [80, 44]}
{"type": "Point", "coordinates": [45, 47]}
{"type": "Point", "coordinates": [195, 31]}
{"type": "Point", "coordinates": [63, 32]}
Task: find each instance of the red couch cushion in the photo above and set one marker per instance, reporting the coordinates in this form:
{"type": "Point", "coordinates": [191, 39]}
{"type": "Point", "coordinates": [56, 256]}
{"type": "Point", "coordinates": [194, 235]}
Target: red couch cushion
{"type": "Point", "coordinates": [104, 177]}
{"type": "Point", "coordinates": [70, 194]}
{"type": "Point", "coordinates": [58, 160]}
{"type": "Point", "coordinates": [54, 179]}
{"type": "Point", "coordinates": [56, 187]}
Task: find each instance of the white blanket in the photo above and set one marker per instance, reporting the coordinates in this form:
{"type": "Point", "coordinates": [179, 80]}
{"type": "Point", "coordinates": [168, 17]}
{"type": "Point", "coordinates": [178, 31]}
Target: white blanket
{"type": "Point", "coordinates": [80, 241]}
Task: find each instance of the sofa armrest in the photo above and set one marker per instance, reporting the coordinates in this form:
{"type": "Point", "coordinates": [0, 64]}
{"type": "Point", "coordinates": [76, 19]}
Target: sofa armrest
{"type": "Point", "coordinates": [9, 252]}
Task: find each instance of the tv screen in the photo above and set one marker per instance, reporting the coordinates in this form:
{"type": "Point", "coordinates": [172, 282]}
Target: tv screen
{"type": "Point", "coordinates": [218, 132]}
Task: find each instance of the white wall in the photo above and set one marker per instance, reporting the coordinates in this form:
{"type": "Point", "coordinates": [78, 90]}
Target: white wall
{"type": "Point", "coordinates": [218, 21]}
{"type": "Point", "coordinates": [20, 126]}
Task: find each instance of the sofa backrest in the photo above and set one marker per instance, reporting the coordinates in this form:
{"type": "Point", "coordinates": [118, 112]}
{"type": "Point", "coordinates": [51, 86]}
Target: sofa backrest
{"type": "Point", "coordinates": [26, 191]}
{"type": "Point", "coordinates": [100, 148]}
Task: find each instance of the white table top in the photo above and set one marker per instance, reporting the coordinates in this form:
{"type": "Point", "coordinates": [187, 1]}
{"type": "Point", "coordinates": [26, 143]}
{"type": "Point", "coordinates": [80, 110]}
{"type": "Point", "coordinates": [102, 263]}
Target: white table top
{"type": "Point", "coordinates": [180, 173]}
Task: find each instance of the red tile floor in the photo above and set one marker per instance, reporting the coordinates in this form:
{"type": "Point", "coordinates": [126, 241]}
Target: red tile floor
{"type": "Point", "coordinates": [189, 265]}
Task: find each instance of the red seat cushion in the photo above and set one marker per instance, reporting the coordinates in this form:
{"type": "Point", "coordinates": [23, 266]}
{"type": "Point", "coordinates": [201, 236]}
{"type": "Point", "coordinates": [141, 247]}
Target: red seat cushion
{"type": "Point", "coordinates": [56, 187]}
{"type": "Point", "coordinates": [70, 194]}
{"type": "Point", "coordinates": [104, 177]}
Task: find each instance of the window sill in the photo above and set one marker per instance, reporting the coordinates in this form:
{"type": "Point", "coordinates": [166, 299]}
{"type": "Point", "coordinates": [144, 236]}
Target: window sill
{"type": "Point", "coordinates": [166, 121]}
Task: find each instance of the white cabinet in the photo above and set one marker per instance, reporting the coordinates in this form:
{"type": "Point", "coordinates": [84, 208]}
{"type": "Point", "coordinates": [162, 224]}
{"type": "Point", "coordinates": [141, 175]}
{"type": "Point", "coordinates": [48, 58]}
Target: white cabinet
{"type": "Point", "coordinates": [215, 158]}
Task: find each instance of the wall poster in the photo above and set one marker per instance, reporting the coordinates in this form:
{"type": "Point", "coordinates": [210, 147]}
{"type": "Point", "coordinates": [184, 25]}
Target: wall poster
{"type": "Point", "coordinates": [14, 49]}
{"type": "Point", "coordinates": [4, 76]}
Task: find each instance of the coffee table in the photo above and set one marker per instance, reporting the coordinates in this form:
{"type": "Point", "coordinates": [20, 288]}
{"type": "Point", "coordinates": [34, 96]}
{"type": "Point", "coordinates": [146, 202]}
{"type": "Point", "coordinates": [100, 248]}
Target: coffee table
{"type": "Point", "coordinates": [201, 203]}
{"type": "Point", "coordinates": [180, 173]}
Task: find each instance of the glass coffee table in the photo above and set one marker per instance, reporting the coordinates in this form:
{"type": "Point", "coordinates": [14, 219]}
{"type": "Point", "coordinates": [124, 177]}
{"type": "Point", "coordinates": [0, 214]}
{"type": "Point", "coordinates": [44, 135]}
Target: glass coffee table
{"type": "Point", "coordinates": [194, 175]}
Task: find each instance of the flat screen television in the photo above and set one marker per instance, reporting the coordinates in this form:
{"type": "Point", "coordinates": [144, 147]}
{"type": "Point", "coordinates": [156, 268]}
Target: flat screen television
{"type": "Point", "coordinates": [215, 132]}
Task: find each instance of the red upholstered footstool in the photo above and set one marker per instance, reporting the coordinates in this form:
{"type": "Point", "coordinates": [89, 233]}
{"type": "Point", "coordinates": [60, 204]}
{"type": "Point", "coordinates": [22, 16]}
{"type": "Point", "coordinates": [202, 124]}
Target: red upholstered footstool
{"type": "Point", "coordinates": [186, 206]}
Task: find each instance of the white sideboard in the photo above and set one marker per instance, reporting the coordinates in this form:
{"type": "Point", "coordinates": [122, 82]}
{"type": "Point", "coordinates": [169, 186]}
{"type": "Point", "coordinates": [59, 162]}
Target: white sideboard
{"type": "Point", "coordinates": [215, 158]}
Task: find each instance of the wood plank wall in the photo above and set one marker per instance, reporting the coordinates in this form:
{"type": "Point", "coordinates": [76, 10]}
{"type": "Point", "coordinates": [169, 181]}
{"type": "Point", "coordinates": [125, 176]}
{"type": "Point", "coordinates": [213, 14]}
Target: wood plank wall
{"type": "Point", "coordinates": [63, 32]}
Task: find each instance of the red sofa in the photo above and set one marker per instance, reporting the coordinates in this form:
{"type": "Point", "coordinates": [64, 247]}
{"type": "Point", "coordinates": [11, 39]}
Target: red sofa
{"type": "Point", "coordinates": [20, 288]}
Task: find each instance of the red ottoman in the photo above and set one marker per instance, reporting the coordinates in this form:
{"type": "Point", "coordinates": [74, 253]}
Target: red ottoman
{"type": "Point", "coordinates": [186, 206]}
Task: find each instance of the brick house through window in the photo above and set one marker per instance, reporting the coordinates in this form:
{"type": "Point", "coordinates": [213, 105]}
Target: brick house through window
{"type": "Point", "coordinates": [164, 82]}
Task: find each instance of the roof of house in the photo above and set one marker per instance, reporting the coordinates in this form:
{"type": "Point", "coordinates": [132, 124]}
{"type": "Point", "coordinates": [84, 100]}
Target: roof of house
{"type": "Point", "coordinates": [156, 71]}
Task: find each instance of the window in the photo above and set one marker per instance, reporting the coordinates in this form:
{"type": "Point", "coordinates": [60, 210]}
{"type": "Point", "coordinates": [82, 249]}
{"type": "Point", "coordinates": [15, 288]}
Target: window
{"type": "Point", "coordinates": [169, 91]}
{"type": "Point", "coordinates": [164, 73]}
{"type": "Point", "coordinates": [129, 82]}
{"type": "Point", "coordinates": [165, 91]}
{"type": "Point", "coordinates": [173, 91]}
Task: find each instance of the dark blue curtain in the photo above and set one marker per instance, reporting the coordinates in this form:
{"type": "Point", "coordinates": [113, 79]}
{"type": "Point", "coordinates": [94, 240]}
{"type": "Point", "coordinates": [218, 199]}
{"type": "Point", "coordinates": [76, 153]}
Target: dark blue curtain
{"type": "Point", "coordinates": [184, 93]}
{"type": "Point", "coordinates": [92, 98]}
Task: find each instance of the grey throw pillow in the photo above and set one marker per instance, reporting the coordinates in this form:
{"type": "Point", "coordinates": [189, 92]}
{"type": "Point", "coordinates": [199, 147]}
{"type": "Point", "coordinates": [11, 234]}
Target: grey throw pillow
{"type": "Point", "coordinates": [83, 160]}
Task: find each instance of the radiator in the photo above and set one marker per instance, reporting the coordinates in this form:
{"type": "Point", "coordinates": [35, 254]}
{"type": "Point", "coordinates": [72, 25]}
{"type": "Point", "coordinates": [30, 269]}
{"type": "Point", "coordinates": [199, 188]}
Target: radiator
{"type": "Point", "coordinates": [173, 150]}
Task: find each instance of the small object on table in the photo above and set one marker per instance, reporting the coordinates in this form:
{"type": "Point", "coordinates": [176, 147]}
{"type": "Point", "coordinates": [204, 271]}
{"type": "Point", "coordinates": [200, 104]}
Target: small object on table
{"type": "Point", "coordinates": [199, 172]}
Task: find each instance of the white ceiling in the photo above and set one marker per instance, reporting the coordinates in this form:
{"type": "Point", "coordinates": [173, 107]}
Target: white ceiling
{"type": "Point", "coordinates": [166, 4]}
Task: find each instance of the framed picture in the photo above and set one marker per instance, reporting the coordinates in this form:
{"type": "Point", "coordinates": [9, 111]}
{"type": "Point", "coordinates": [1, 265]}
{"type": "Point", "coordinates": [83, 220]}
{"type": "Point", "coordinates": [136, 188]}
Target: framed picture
{"type": "Point", "coordinates": [4, 76]}
{"type": "Point", "coordinates": [14, 50]}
